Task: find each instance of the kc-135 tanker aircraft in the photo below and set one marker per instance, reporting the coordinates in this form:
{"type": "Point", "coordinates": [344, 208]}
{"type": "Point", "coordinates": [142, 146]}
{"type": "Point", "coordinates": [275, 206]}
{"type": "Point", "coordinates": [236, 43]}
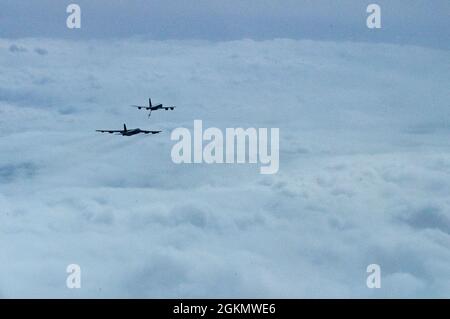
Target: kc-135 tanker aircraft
{"type": "Point", "coordinates": [151, 107]}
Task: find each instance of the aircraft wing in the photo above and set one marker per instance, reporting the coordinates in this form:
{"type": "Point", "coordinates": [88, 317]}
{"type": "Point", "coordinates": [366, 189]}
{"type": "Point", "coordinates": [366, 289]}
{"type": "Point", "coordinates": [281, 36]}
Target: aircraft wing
{"type": "Point", "coordinates": [153, 132]}
{"type": "Point", "coordinates": [141, 107]}
{"type": "Point", "coordinates": [109, 131]}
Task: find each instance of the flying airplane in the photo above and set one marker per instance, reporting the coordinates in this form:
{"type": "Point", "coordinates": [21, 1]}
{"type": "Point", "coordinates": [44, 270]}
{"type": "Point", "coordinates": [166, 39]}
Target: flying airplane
{"type": "Point", "coordinates": [127, 132]}
{"type": "Point", "coordinates": [151, 107]}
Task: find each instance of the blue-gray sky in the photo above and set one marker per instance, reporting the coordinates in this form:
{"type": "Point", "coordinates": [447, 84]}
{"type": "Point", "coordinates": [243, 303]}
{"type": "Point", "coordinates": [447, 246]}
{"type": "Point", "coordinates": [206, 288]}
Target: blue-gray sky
{"type": "Point", "coordinates": [415, 22]}
{"type": "Point", "coordinates": [364, 149]}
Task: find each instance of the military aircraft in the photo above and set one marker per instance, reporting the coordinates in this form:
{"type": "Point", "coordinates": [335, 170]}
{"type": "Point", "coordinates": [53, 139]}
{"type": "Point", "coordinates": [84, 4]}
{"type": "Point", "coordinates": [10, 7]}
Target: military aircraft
{"type": "Point", "coordinates": [127, 132]}
{"type": "Point", "coordinates": [151, 107]}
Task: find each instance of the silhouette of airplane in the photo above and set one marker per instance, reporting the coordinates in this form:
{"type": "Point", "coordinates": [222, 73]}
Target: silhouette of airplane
{"type": "Point", "coordinates": [151, 107]}
{"type": "Point", "coordinates": [127, 132]}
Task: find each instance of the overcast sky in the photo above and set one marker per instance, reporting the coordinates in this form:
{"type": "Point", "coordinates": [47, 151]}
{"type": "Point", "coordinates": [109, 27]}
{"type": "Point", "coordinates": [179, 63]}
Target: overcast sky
{"type": "Point", "coordinates": [364, 150]}
{"type": "Point", "coordinates": [418, 22]}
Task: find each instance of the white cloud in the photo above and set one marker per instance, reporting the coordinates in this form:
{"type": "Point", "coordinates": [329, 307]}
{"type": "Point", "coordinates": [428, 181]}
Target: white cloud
{"type": "Point", "coordinates": [361, 181]}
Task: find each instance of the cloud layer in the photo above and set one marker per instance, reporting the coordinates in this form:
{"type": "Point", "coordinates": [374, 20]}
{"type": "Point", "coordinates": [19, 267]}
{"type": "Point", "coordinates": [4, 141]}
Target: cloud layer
{"type": "Point", "coordinates": [363, 175]}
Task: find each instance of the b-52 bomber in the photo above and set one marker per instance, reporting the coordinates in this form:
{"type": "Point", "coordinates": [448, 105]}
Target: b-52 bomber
{"type": "Point", "coordinates": [127, 132]}
{"type": "Point", "coordinates": [151, 107]}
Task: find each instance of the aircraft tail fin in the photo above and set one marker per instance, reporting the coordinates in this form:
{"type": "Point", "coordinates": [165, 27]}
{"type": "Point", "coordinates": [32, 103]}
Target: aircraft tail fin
{"type": "Point", "coordinates": [150, 102]}
{"type": "Point", "coordinates": [124, 127]}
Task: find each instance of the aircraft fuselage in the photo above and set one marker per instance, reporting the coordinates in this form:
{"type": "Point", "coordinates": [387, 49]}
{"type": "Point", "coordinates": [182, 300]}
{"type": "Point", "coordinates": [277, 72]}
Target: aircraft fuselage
{"type": "Point", "coordinates": [161, 107]}
{"type": "Point", "coordinates": [131, 132]}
